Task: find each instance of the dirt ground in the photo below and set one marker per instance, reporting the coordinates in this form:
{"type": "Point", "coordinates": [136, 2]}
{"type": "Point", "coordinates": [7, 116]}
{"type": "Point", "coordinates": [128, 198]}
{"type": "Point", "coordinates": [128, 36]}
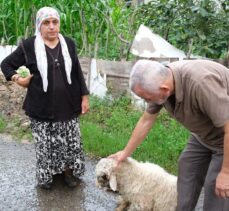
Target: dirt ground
{"type": "Point", "coordinates": [19, 191]}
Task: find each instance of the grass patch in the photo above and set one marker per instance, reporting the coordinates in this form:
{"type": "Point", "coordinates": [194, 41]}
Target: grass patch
{"type": "Point", "coordinates": [3, 124]}
{"type": "Point", "coordinates": [12, 126]}
{"type": "Point", "coordinates": [108, 126]}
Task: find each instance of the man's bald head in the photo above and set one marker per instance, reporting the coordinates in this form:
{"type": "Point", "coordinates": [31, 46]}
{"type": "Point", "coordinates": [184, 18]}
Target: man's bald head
{"type": "Point", "coordinates": [149, 75]}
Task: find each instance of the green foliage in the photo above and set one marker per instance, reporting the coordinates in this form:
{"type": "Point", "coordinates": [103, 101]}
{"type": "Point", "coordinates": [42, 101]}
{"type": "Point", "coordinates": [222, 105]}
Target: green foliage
{"type": "Point", "coordinates": [12, 126]}
{"type": "Point", "coordinates": [113, 114]}
{"type": "Point", "coordinates": [95, 25]}
{"type": "Point", "coordinates": [108, 126]}
{"type": "Point", "coordinates": [23, 71]}
{"type": "Point", "coordinates": [198, 27]}
{"type": "Point", "coordinates": [164, 143]}
{"type": "Point", "coordinates": [106, 28]}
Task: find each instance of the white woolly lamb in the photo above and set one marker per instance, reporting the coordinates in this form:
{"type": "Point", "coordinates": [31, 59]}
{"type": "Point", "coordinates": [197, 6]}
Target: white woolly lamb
{"type": "Point", "coordinates": [142, 186]}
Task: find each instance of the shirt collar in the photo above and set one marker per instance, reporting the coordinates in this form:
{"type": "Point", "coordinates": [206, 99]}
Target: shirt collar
{"type": "Point", "coordinates": [177, 82]}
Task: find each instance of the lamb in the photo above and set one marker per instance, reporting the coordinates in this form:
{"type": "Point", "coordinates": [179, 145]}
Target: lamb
{"type": "Point", "coordinates": [142, 186]}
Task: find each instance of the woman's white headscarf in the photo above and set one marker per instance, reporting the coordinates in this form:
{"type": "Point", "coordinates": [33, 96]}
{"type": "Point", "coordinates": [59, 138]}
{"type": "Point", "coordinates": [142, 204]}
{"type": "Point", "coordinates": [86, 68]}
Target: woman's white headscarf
{"type": "Point", "coordinates": [42, 14]}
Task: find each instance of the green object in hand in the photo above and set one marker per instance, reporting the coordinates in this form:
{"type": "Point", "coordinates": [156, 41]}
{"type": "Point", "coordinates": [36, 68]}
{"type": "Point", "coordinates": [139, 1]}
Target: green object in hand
{"type": "Point", "coordinates": [23, 71]}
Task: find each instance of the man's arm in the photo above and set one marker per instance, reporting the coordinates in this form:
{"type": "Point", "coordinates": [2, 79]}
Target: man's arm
{"type": "Point", "coordinates": [139, 133]}
{"type": "Point", "coordinates": [222, 180]}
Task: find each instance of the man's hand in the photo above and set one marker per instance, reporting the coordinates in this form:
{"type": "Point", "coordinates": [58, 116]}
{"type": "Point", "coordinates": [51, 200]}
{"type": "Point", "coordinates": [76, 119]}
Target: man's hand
{"type": "Point", "coordinates": [119, 157]}
{"type": "Point", "coordinates": [222, 184]}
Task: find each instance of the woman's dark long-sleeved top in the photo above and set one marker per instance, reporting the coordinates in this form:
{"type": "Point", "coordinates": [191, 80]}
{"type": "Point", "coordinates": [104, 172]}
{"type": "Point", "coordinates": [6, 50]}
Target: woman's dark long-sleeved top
{"type": "Point", "coordinates": [44, 105]}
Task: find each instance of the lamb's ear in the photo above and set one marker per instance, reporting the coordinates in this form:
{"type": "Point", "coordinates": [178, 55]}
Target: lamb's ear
{"type": "Point", "coordinates": [113, 182]}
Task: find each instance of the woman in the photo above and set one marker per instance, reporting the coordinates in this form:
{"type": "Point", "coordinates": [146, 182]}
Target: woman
{"type": "Point", "coordinates": [56, 96]}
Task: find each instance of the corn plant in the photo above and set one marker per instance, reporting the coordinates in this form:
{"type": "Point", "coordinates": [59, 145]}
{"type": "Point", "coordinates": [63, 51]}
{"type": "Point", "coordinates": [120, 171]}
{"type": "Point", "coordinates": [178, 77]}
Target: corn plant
{"type": "Point", "coordinates": [100, 28]}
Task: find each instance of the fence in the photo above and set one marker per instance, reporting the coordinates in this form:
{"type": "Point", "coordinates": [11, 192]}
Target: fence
{"type": "Point", "coordinates": [116, 73]}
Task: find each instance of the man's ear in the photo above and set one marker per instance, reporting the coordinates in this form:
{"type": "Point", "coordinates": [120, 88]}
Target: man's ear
{"type": "Point", "coordinates": [165, 89]}
{"type": "Point", "coordinates": [113, 182]}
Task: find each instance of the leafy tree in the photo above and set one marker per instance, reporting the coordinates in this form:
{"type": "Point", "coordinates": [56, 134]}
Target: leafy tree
{"type": "Point", "coordinates": [198, 27]}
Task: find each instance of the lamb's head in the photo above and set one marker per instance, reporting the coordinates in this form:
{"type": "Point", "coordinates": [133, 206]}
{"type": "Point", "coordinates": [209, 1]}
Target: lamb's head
{"type": "Point", "coordinates": [105, 174]}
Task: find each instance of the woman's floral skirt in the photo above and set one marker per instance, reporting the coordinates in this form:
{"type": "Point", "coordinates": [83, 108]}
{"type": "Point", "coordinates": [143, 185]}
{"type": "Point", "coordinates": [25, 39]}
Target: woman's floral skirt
{"type": "Point", "coordinates": [58, 146]}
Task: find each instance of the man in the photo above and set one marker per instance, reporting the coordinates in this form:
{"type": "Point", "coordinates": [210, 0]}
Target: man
{"type": "Point", "coordinates": [195, 93]}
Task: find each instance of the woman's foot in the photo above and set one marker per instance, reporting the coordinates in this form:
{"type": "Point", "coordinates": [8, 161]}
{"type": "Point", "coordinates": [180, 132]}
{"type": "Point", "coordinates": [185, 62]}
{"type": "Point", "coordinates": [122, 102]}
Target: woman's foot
{"type": "Point", "coordinates": [69, 179]}
{"type": "Point", "coordinates": [46, 186]}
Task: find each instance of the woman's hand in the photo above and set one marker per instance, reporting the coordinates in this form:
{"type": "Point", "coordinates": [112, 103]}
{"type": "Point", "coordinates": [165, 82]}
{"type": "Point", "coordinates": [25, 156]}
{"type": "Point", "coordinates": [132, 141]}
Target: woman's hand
{"type": "Point", "coordinates": [85, 104]}
{"type": "Point", "coordinates": [24, 82]}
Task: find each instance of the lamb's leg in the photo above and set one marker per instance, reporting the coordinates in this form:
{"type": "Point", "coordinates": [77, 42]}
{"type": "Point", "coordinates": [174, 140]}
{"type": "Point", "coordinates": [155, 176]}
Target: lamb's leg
{"type": "Point", "coordinates": [122, 204]}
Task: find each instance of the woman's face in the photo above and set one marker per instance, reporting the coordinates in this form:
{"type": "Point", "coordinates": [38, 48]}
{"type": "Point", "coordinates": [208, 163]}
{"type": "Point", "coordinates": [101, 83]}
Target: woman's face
{"type": "Point", "coordinates": [50, 28]}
